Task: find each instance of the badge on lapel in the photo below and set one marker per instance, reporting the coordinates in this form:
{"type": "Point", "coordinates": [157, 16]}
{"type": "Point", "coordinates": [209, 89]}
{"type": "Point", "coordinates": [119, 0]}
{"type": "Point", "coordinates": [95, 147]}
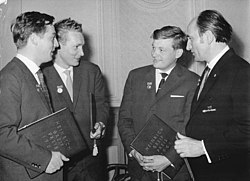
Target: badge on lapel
{"type": "Point", "coordinates": [149, 85]}
{"type": "Point", "coordinates": [59, 89]}
{"type": "Point", "coordinates": [210, 108]}
{"type": "Point", "coordinates": [38, 87]}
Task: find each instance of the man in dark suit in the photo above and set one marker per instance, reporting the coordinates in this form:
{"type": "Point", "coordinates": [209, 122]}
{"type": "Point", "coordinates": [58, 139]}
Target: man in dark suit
{"type": "Point", "coordinates": [217, 141]}
{"type": "Point", "coordinates": [22, 102]}
{"type": "Point", "coordinates": [171, 102]}
{"type": "Point", "coordinates": [86, 78]}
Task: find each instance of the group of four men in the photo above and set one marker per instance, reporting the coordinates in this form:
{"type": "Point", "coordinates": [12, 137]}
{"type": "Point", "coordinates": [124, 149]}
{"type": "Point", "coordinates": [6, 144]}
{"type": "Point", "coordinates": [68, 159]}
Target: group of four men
{"type": "Point", "coordinates": [212, 119]}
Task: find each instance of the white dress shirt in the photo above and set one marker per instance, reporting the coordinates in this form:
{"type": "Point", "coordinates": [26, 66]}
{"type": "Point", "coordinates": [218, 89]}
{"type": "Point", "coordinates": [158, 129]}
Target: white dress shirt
{"type": "Point", "coordinates": [158, 77]}
{"type": "Point", "coordinates": [32, 66]}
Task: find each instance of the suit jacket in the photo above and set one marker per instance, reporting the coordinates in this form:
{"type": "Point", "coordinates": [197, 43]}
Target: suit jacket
{"type": "Point", "coordinates": [172, 104]}
{"type": "Point", "coordinates": [221, 117]}
{"type": "Point", "coordinates": [21, 102]}
{"type": "Point", "coordinates": [87, 78]}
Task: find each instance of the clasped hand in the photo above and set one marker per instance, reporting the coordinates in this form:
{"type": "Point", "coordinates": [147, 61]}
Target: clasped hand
{"type": "Point", "coordinates": [151, 163]}
{"type": "Point", "coordinates": [188, 147]}
{"type": "Point", "coordinates": [99, 131]}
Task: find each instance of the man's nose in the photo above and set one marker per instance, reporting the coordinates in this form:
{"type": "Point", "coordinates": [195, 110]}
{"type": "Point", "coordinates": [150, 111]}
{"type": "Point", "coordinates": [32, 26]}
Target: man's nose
{"type": "Point", "coordinates": [189, 46]}
{"type": "Point", "coordinates": [153, 53]}
{"type": "Point", "coordinates": [56, 44]}
{"type": "Point", "coordinates": [81, 51]}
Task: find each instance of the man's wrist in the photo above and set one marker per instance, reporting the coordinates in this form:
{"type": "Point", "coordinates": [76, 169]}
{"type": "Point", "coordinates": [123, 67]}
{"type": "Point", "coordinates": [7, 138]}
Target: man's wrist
{"type": "Point", "coordinates": [131, 154]}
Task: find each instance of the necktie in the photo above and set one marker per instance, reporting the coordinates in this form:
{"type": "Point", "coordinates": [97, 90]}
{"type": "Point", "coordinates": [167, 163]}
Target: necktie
{"type": "Point", "coordinates": [203, 79]}
{"type": "Point", "coordinates": [163, 76]}
{"type": "Point", "coordinates": [44, 88]}
{"type": "Point", "coordinates": [69, 83]}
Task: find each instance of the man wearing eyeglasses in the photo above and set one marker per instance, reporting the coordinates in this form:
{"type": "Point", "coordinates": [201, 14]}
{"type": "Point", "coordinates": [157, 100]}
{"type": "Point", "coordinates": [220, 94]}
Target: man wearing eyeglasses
{"type": "Point", "coordinates": [22, 102]}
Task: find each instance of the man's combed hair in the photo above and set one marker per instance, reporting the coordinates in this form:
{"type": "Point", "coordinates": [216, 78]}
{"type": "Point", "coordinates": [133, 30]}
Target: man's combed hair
{"type": "Point", "coordinates": [28, 23]}
{"type": "Point", "coordinates": [64, 26]}
{"type": "Point", "coordinates": [214, 21]}
{"type": "Point", "coordinates": [168, 32]}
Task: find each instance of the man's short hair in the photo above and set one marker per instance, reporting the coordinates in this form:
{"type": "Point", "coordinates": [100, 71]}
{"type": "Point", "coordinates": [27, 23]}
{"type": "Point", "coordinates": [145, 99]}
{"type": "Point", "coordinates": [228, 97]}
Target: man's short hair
{"type": "Point", "coordinates": [172, 32]}
{"type": "Point", "coordinates": [28, 23]}
{"type": "Point", "coordinates": [64, 26]}
{"type": "Point", "coordinates": [214, 21]}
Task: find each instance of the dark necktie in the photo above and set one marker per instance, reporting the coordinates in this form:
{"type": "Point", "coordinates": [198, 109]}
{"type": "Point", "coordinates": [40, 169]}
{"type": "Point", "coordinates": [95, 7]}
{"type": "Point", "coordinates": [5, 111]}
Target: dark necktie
{"type": "Point", "coordinates": [44, 88]}
{"type": "Point", "coordinates": [203, 80]}
{"type": "Point", "coordinates": [163, 76]}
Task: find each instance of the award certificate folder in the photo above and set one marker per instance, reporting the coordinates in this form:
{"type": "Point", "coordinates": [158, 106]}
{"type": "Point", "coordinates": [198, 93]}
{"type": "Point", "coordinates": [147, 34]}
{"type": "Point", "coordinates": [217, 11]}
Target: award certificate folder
{"type": "Point", "coordinates": [56, 132]}
{"type": "Point", "coordinates": [157, 138]}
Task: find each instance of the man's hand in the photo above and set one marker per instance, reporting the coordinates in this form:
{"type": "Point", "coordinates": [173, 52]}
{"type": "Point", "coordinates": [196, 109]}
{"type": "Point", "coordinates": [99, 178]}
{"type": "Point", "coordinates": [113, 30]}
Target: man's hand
{"type": "Point", "coordinates": [99, 131]}
{"type": "Point", "coordinates": [188, 147]}
{"type": "Point", "coordinates": [56, 162]}
{"type": "Point", "coordinates": [155, 163]}
{"type": "Point", "coordinates": [137, 156]}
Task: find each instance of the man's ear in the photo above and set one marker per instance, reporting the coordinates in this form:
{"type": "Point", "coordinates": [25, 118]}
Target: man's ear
{"type": "Point", "coordinates": [208, 37]}
{"type": "Point", "coordinates": [178, 53]}
{"type": "Point", "coordinates": [33, 39]}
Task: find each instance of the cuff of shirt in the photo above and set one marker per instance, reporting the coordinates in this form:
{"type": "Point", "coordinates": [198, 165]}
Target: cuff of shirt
{"type": "Point", "coordinates": [206, 153]}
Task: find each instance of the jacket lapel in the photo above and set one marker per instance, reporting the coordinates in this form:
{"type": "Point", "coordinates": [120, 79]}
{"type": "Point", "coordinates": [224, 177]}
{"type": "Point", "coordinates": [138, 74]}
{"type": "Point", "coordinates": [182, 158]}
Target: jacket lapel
{"type": "Point", "coordinates": [77, 80]}
{"type": "Point", "coordinates": [31, 81]}
{"type": "Point", "coordinates": [213, 76]}
{"type": "Point", "coordinates": [171, 82]}
{"type": "Point", "coordinates": [149, 83]}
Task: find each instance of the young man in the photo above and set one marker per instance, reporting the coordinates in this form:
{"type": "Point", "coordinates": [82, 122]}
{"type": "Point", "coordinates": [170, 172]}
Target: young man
{"type": "Point", "coordinates": [73, 90]}
{"type": "Point", "coordinates": [218, 131]}
{"type": "Point", "coordinates": [22, 102]}
{"type": "Point", "coordinates": [143, 98]}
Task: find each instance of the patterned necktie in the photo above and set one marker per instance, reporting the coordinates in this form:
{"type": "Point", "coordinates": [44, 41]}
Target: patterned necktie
{"type": "Point", "coordinates": [203, 80]}
{"type": "Point", "coordinates": [69, 84]}
{"type": "Point", "coordinates": [163, 76]}
{"type": "Point", "coordinates": [44, 88]}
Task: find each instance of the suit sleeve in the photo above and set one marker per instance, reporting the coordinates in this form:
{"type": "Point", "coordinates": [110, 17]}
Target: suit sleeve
{"type": "Point", "coordinates": [14, 146]}
{"type": "Point", "coordinates": [125, 122]}
{"type": "Point", "coordinates": [101, 98]}
{"type": "Point", "coordinates": [187, 106]}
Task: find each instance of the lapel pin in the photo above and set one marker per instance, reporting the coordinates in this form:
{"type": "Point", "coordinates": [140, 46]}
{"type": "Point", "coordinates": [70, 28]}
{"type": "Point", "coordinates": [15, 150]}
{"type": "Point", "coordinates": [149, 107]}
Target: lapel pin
{"type": "Point", "coordinates": [60, 89]}
{"type": "Point", "coordinates": [199, 81]}
{"type": "Point", "coordinates": [37, 87]}
{"type": "Point", "coordinates": [149, 85]}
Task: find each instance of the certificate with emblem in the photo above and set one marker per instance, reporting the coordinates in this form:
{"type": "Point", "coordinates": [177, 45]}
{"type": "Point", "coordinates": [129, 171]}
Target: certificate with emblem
{"type": "Point", "coordinates": [157, 138]}
{"type": "Point", "coordinates": [56, 132]}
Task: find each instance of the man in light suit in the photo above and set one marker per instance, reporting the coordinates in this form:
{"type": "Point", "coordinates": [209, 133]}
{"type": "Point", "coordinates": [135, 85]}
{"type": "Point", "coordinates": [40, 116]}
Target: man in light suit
{"type": "Point", "coordinates": [171, 103]}
{"type": "Point", "coordinates": [87, 78]}
{"type": "Point", "coordinates": [218, 132]}
{"type": "Point", "coordinates": [22, 102]}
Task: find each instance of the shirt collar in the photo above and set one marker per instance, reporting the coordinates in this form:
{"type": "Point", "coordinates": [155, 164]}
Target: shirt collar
{"type": "Point", "coordinates": [60, 70]}
{"type": "Point", "coordinates": [158, 71]}
{"type": "Point", "coordinates": [29, 63]}
{"type": "Point", "coordinates": [212, 63]}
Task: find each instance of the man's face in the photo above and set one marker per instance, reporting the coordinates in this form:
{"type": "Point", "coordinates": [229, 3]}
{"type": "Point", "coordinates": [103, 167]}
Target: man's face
{"type": "Point", "coordinates": [195, 43]}
{"type": "Point", "coordinates": [46, 44]}
{"type": "Point", "coordinates": [71, 50]}
{"type": "Point", "coordinates": [163, 53]}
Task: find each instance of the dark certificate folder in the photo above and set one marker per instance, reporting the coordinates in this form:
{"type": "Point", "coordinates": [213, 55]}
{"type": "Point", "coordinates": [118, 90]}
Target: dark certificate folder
{"type": "Point", "coordinates": [56, 132]}
{"type": "Point", "coordinates": [157, 138]}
